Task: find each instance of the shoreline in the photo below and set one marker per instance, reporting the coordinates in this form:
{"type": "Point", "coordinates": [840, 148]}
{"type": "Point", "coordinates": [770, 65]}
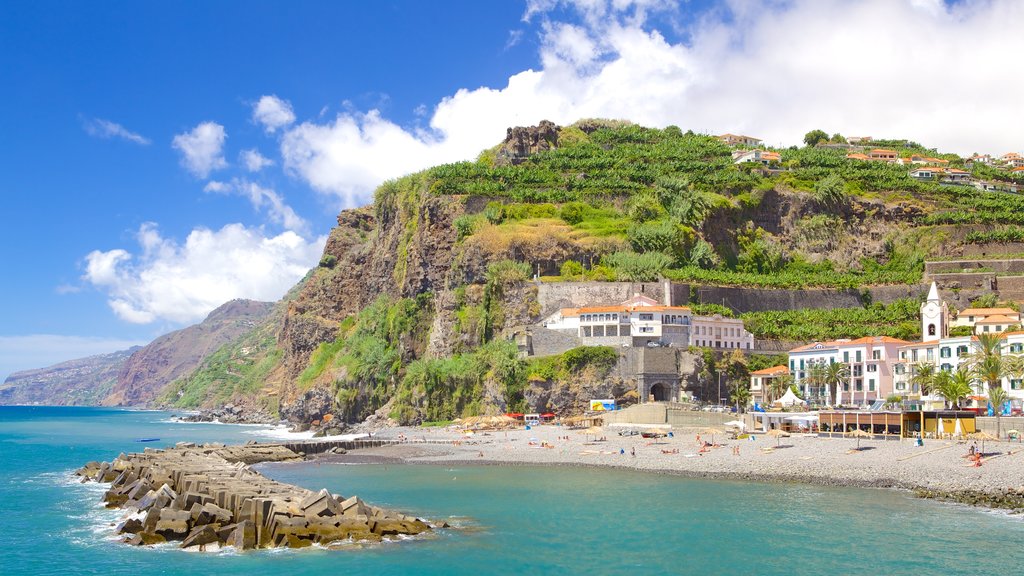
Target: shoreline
{"type": "Point", "coordinates": [938, 470]}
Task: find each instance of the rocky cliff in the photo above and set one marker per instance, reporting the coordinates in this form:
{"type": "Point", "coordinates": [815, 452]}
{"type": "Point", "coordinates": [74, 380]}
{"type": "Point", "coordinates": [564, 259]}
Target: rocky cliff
{"type": "Point", "coordinates": [82, 382]}
{"type": "Point", "coordinates": [178, 353]}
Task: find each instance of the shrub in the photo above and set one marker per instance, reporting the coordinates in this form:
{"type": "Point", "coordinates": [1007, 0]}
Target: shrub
{"type": "Point", "coordinates": [573, 212]}
{"type": "Point", "coordinates": [328, 261]}
{"type": "Point", "coordinates": [571, 269]}
{"type": "Point", "coordinates": [634, 267]}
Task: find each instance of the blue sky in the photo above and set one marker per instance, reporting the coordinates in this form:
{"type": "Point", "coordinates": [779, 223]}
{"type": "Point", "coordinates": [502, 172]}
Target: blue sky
{"type": "Point", "coordinates": [160, 158]}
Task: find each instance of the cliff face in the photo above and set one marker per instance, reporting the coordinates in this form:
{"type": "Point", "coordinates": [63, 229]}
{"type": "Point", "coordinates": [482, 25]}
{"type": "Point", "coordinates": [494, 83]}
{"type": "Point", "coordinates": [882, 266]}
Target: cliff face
{"type": "Point", "coordinates": [178, 353]}
{"type": "Point", "coordinates": [82, 382]}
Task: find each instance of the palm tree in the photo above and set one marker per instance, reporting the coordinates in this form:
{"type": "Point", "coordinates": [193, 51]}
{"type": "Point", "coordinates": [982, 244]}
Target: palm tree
{"type": "Point", "coordinates": [923, 376]}
{"type": "Point", "coordinates": [953, 386]}
{"type": "Point", "coordinates": [833, 376]}
{"type": "Point", "coordinates": [740, 394]}
{"type": "Point", "coordinates": [815, 379]}
{"type": "Point", "coordinates": [997, 396]}
{"type": "Point", "coordinates": [778, 386]}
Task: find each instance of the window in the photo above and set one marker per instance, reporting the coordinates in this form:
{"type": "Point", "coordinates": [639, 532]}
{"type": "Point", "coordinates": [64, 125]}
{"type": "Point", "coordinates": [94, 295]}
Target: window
{"type": "Point", "coordinates": [858, 356]}
{"type": "Point", "coordinates": [647, 317]}
{"type": "Point", "coordinates": [961, 351]}
{"type": "Point", "coordinates": [872, 367]}
{"type": "Point", "coordinates": [846, 357]}
{"type": "Point", "coordinates": [984, 328]}
{"type": "Point", "coordinates": [900, 369]}
{"type": "Point", "coordinates": [945, 352]}
{"type": "Point", "coordinates": [946, 368]}
{"type": "Point", "coordinates": [858, 385]}
{"type": "Point", "coordinates": [931, 329]}
{"type": "Point", "coordinates": [1015, 385]}
{"type": "Point", "coordinates": [646, 329]}
{"type": "Point", "coordinates": [871, 385]}
{"type": "Point", "coordinates": [1017, 347]}
{"type": "Point", "coordinates": [913, 355]}
{"type": "Point", "coordinates": [792, 365]}
{"type": "Point", "coordinates": [876, 354]}
{"type": "Point", "coordinates": [931, 354]}
{"type": "Point", "coordinates": [801, 363]}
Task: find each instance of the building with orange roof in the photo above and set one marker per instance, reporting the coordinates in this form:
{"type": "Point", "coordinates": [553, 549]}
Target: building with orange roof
{"type": "Point", "coordinates": [643, 321]}
{"type": "Point", "coordinates": [740, 140]}
{"type": "Point", "coordinates": [987, 319]}
{"type": "Point", "coordinates": [857, 156]}
{"type": "Point", "coordinates": [883, 155]}
{"type": "Point", "coordinates": [761, 382]}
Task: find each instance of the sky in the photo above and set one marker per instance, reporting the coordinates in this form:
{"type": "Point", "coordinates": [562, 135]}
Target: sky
{"type": "Point", "coordinates": [159, 159]}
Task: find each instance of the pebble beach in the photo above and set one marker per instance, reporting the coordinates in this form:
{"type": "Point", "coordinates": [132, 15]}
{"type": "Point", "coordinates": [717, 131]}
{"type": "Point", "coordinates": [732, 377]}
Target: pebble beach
{"type": "Point", "coordinates": [938, 465]}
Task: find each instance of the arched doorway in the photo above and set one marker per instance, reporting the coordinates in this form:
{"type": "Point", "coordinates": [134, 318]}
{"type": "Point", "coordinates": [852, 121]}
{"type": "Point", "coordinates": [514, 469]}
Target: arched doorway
{"type": "Point", "coordinates": [661, 392]}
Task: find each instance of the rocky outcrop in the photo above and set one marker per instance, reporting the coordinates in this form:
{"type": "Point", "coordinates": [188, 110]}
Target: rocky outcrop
{"type": "Point", "coordinates": [207, 496]}
{"type": "Point", "coordinates": [521, 142]}
{"type": "Point", "coordinates": [176, 354]}
{"type": "Point", "coordinates": [82, 382]}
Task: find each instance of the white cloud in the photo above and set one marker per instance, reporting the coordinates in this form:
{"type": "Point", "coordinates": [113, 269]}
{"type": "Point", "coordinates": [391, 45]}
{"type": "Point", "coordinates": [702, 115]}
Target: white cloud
{"type": "Point", "coordinates": [182, 283]}
{"type": "Point", "coordinates": [273, 113]}
{"type": "Point", "coordinates": [260, 198]}
{"type": "Point", "coordinates": [916, 69]}
{"type": "Point", "coordinates": [26, 352]}
{"type": "Point", "coordinates": [202, 149]}
{"type": "Point", "coordinates": [254, 161]}
{"type": "Point", "coordinates": [101, 128]}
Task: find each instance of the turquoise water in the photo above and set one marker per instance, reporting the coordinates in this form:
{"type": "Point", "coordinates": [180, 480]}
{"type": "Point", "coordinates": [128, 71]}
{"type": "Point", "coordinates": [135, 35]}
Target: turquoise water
{"type": "Point", "coordinates": [512, 520]}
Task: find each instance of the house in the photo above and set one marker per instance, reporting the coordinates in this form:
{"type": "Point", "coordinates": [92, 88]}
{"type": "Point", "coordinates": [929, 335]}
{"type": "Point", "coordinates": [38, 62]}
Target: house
{"type": "Point", "coordinates": [643, 321]}
{"type": "Point", "coordinates": [883, 155]}
{"type": "Point", "coordinates": [978, 318]}
{"type": "Point", "coordinates": [869, 368]}
{"type": "Point", "coordinates": [740, 140]}
{"type": "Point", "coordinates": [859, 139]}
{"type": "Point", "coordinates": [761, 382]}
{"type": "Point", "coordinates": [857, 156]}
{"type": "Point", "coordinates": [926, 173]}
{"type": "Point", "coordinates": [719, 332]}
{"type": "Point", "coordinates": [985, 159]}
{"type": "Point", "coordinates": [921, 160]}
{"type": "Point", "coordinates": [956, 176]}
{"type": "Point", "coordinates": [1012, 160]}
{"type": "Point", "coordinates": [759, 156]}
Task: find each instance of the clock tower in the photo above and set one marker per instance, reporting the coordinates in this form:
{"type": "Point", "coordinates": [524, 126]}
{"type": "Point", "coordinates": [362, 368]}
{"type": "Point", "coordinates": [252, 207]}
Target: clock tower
{"type": "Point", "coordinates": [934, 316]}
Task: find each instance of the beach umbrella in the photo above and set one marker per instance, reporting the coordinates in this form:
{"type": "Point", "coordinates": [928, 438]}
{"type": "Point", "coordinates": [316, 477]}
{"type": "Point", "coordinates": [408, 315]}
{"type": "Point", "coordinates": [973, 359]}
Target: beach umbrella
{"type": "Point", "coordinates": [958, 429]}
{"type": "Point", "coordinates": [712, 431]}
{"type": "Point", "coordinates": [938, 428]}
{"type": "Point", "coordinates": [983, 436]}
{"type": "Point", "coordinates": [593, 431]}
{"type": "Point", "coordinates": [778, 433]}
{"type": "Point", "coordinates": [858, 434]}
{"type": "Point", "coordinates": [737, 424]}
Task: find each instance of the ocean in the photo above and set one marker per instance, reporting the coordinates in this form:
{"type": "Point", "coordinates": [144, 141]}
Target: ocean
{"type": "Point", "coordinates": [507, 520]}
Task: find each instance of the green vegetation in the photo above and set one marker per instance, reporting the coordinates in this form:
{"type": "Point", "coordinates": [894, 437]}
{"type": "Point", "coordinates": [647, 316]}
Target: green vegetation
{"type": "Point", "coordinates": [238, 368]}
{"type": "Point", "coordinates": [898, 320]}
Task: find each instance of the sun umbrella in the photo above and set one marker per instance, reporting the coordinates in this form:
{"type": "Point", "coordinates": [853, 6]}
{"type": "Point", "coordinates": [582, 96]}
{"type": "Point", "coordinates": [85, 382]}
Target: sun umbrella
{"type": "Point", "coordinates": [712, 431]}
{"type": "Point", "coordinates": [736, 423]}
{"type": "Point", "coordinates": [593, 431]}
{"type": "Point", "coordinates": [983, 436]}
{"type": "Point", "coordinates": [778, 433]}
{"type": "Point", "coordinates": [958, 429]}
{"type": "Point", "coordinates": [858, 434]}
{"type": "Point", "coordinates": [938, 428]}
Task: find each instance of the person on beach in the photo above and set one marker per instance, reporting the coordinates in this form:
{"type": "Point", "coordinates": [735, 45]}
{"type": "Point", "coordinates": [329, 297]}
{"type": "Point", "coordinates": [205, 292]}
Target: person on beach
{"type": "Point", "coordinates": [632, 452]}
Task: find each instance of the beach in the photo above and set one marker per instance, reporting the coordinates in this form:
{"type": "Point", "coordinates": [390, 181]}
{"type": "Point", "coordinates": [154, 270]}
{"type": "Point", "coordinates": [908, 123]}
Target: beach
{"type": "Point", "coordinates": [938, 465]}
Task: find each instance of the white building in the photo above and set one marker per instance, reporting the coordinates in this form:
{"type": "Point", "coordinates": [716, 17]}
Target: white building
{"type": "Point", "coordinates": [869, 367]}
{"type": "Point", "coordinates": [983, 320]}
{"type": "Point", "coordinates": [640, 321]}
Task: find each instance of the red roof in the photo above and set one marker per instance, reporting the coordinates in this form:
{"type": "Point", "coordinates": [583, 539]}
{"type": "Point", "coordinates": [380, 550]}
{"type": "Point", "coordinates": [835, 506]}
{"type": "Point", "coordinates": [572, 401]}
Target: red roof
{"type": "Point", "coordinates": [773, 371]}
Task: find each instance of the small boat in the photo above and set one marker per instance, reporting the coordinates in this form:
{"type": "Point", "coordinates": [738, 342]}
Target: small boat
{"type": "Point", "coordinates": [148, 440]}
{"type": "Point", "coordinates": [653, 434]}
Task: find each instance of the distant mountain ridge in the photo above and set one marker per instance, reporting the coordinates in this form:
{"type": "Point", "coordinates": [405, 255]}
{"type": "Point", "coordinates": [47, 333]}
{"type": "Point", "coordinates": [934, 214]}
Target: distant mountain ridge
{"type": "Point", "coordinates": [178, 353]}
{"type": "Point", "coordinates": [80, 382]}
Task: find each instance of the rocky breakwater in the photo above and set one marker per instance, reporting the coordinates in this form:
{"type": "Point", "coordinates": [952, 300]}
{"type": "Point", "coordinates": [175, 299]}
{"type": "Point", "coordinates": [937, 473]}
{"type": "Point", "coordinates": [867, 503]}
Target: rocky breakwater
{"type": "Point", "coordinates": [207, 497]}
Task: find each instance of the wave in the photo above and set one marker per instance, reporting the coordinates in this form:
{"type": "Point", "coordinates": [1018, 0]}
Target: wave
{"type": "Point", "coordinates": [284, 433]}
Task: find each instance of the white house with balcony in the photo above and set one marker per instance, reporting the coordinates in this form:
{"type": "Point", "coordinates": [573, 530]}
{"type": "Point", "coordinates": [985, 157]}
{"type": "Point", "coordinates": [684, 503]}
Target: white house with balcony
{"type": "Point", "coordinates": [982, 320]}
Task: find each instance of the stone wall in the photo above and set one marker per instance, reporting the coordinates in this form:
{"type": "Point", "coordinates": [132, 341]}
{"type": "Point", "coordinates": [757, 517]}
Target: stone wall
{"type": "Point", "coordinates": [1003, 266]}
{"type": "Point", "coordinates": [988, 424]}
{"type": "Point", "coordinates": [555, 295]}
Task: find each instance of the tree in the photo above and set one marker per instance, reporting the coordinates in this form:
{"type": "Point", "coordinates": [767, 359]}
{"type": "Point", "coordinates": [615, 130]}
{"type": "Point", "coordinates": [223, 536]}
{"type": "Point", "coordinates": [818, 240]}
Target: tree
{"type": "Point", "coordinates": [777, 386]}
{"type": "Point", "coordinates": [739, 393]}
{"type": "Point", "coordinates": [922, 376]}
{"type": "Point", "coordinates": [953, 387]}
{"type": "Point", "coordinates": [837, 138]}
{"type": "Point", "coordinates": [997, 397]}
{"type": "Point", "coordinates": [987, 365]}
{"type": "Point", "coordinates": [834, 376]}
{"type": "Point", "coordinates": [814, 136]}
{"type": "Point", "coordinates": [830, 190]}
